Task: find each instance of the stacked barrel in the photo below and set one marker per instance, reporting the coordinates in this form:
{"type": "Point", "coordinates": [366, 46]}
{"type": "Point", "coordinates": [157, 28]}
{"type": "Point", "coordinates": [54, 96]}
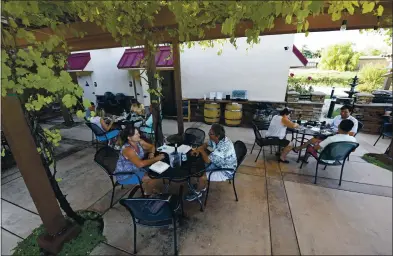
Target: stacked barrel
{"type": "Point", "coordinates": [233, 113]}
{"type": "Point", "coordinates": [212, 113]}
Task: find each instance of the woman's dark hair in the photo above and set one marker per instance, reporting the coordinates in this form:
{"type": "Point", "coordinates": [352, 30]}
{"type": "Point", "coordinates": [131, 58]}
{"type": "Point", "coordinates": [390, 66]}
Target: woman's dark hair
{"type": "Point", "coordinates": [285, 111]}
{"type": "Point", "coordinates": [128, 131]}
{"type": "Point", "coordinates": [218, 131]}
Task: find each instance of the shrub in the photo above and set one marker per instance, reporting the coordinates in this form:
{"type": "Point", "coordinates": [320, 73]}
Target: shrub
{"type": "Point", "coordinates": [370, 77]}
{"type": "Point", "coordinates": [320, 81]}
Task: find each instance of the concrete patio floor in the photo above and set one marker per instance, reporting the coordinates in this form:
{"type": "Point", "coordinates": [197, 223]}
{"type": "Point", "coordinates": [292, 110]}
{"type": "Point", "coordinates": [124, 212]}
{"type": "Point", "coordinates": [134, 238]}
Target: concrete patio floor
{"type": "Point", "coordinates": [280, 211]}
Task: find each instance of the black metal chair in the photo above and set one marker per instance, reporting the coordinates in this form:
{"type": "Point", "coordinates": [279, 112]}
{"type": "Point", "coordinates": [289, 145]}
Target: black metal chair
{"type": "Point", "coordinates": [261, 142]}
{"type": "Point", "coordinates": [337, 151]}
{"type": "Point", "coordinates": [241, 152]}
{"type": "Point", "coordinates": [107, 158]}
{"type": "Point", "coordinates": [194, 136]}
{"type": "Point", "coordinates": [158, 211]}
{"type": "Point", "coordinates": [360, 127]}
{"type": "Point", "coordinates": [102, 136]}
{"type": "Point", "coordinates": [111, 105]}
{"type": "Point", "coordinates": [386, 131]}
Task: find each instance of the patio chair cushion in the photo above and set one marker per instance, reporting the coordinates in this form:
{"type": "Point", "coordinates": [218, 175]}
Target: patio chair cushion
{"type": "Point", "coordinates": [156, 210]}
{"type": "Point", "coordinates": [109, 135]}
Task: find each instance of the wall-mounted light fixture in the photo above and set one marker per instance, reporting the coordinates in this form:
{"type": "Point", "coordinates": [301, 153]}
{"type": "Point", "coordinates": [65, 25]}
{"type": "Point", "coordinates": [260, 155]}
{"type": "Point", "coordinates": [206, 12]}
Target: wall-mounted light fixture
{"type": "Point", "coordinates": [343, 25]}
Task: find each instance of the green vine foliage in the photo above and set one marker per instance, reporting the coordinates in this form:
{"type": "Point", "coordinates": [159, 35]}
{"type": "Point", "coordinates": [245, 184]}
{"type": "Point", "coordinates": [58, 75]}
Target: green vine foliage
{"type": "Point", "coordinates": [40, 67]}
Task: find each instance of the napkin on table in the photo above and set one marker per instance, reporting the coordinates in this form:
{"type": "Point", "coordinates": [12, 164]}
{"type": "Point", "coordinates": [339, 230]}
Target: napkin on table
{"type": "Point", "coordinates": [159, 167]}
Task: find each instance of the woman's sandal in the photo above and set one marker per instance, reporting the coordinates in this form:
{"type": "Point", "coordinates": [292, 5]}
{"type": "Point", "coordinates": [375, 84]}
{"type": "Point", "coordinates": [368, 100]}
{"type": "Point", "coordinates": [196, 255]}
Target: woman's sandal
{"type": "Point", "coordinates": [283, 161]}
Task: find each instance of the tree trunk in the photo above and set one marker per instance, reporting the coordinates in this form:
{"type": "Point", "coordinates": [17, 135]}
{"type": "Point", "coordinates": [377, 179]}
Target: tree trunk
{"type": "Point", "coordinates": [68, 120]}
{"type": "Point", "coordinates": [154, 99]}
{"type": "Point", "coordinates": [64, 204]}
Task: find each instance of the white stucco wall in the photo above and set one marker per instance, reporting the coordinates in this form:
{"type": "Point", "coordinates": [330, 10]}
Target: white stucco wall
{"type": "Point", "coordinates": [105, 73]}
{"type": "Point", "coordinates": [263, 70]}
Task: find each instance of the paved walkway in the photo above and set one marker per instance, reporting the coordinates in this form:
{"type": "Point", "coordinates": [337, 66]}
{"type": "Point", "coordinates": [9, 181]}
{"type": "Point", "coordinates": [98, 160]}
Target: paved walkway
{"type": "Point", "coordinates": [280, 210]}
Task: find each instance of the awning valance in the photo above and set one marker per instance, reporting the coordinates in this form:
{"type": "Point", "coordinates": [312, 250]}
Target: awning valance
{"type": "Point", "coordinates": [132, 57]}
{"type": "Point", "coordinates": [299, 55]}
{"type": "Point", "coordinates": [78, 61]}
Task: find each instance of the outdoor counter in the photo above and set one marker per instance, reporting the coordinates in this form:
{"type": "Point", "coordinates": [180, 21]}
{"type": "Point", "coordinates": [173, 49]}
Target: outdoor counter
{"type": "Point", "coordinates": [370, 115]}
{"type": "Point", "coordinates": [306, 109]}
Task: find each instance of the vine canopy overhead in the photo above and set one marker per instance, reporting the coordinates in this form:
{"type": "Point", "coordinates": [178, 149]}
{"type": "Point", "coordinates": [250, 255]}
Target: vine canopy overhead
{"type": "Point", "coordinates": [103, 24]}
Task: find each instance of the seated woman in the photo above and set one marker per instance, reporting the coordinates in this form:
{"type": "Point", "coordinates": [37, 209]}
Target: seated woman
{"type": "Point", "coordinates": [131, 159]}
{"type": "Point", "coordinates": [138, 108]}
{"type": "Point", "coordinates": [111, 132]}
{"type": "Point", "coordinates": [278, 129]}
{"type": "Point", "coordinates": [222, 157]}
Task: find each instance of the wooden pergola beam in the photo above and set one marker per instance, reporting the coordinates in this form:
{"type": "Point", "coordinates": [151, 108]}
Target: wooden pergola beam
{"type": "Point", "coordinates": [97, 38]}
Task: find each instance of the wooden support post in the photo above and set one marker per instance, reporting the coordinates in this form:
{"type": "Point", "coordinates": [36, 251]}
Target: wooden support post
{"type": "Point", "coordinates": [24, 151]}
{"type": "Point", "coordinates": [178, 92]}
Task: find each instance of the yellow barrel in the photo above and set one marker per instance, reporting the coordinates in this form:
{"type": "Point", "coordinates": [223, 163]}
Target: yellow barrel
{"type": "Point", "coordinates": [233, 114]}
{"type": "Point", "coordinates": [212, 113]}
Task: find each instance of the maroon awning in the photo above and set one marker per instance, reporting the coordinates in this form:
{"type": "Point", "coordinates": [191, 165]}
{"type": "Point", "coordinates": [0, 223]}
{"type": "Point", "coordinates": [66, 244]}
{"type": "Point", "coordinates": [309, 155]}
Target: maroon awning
{"type": "Point", "coordinates": [299, 55]}
{"type": "Point", "coordinates": [132, 58]}
{"type": "Point", "coordinates": [78, 61]}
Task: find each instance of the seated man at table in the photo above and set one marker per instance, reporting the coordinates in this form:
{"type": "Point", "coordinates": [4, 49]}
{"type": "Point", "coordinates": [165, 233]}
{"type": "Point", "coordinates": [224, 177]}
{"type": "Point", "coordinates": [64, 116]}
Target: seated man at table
{"type": "Point", "coordinates": [278, 129]}
{"type": "Point", "coordinates": [131, 159]}
{"type": "Point", "coordinates": [345, 114]}
{"type": "Point", "coordinates": [344, 129]}
{"type": "Point", "coordinates": [223, 156]}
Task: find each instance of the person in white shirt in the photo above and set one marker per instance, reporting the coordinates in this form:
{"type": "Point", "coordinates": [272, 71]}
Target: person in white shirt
{"type": "Point", "coordinates": [344, 129]}
{"type": "Point", "coordinates": [345, 114]}
{"type": "Point", "coordinates": [278, 130]}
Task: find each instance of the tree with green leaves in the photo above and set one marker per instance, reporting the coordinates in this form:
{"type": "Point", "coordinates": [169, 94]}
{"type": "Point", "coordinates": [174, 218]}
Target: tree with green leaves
{"type": "Point", "coordinates": [340, 57]}
{"type": "Point", "coordinates": [40, 66]}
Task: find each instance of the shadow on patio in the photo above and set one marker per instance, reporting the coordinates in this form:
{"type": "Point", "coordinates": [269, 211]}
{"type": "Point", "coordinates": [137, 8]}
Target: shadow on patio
{"type": "Point", "coordinates": [280, 210]}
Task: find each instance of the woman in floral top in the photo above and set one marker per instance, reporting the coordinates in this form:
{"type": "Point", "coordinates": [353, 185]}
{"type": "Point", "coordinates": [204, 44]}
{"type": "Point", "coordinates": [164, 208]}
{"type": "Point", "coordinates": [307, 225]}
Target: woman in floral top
{"type": "Point", "coordinates": [131, 158]}
{"type": "Point", "coordinates": [223, 156]}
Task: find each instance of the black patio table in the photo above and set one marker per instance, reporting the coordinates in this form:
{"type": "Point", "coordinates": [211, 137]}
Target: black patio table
{"type": "Point", "coordinates": [307, 131]}
{"type": "Point", "coordinates": [194, 166]}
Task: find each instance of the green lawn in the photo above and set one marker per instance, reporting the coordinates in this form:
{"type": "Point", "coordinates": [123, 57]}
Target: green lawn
{"type": "Point", "coordinates": [90, 236]}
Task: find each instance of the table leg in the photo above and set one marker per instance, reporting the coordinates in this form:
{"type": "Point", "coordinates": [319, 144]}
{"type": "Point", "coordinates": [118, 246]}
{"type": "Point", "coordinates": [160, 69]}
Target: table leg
{"type": "Point", "coordinates": [300, 150]}
{"type": "Point", "coordinates": [166, 186]}
{"type": "Point", "coordinates": [191, 188]}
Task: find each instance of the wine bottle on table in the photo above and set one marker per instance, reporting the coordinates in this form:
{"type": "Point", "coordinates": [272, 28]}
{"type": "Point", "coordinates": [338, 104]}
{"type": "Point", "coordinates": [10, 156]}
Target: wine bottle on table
{"type": "Point", "coordinates": [175, 148]}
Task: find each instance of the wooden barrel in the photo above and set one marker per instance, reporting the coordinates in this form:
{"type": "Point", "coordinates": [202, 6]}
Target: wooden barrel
{"type": "Point", "coordinates": [212, 113]}
{"type": "Point", "coordinates": [233, 114]}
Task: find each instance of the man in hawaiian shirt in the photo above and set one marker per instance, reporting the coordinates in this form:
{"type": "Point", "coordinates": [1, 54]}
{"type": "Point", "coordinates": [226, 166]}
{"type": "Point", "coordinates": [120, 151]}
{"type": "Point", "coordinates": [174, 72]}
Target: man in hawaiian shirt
{"type": "Point", "coordinates": [223, 156]}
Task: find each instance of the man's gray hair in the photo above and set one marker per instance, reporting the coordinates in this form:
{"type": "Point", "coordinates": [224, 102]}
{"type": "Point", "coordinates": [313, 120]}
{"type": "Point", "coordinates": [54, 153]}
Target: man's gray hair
{"type": "Point", "coordinates": [218, 130]}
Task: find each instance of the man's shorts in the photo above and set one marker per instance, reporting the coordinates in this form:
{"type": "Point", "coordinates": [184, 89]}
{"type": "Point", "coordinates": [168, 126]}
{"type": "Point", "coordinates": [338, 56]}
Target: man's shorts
{"type": "Point", "coordinates": [311, 150]}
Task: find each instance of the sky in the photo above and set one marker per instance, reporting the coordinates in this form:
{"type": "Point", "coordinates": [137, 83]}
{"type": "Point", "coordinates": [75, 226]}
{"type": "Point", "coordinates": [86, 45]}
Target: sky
{"type": "Point", "coordinates": [318, 40]}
